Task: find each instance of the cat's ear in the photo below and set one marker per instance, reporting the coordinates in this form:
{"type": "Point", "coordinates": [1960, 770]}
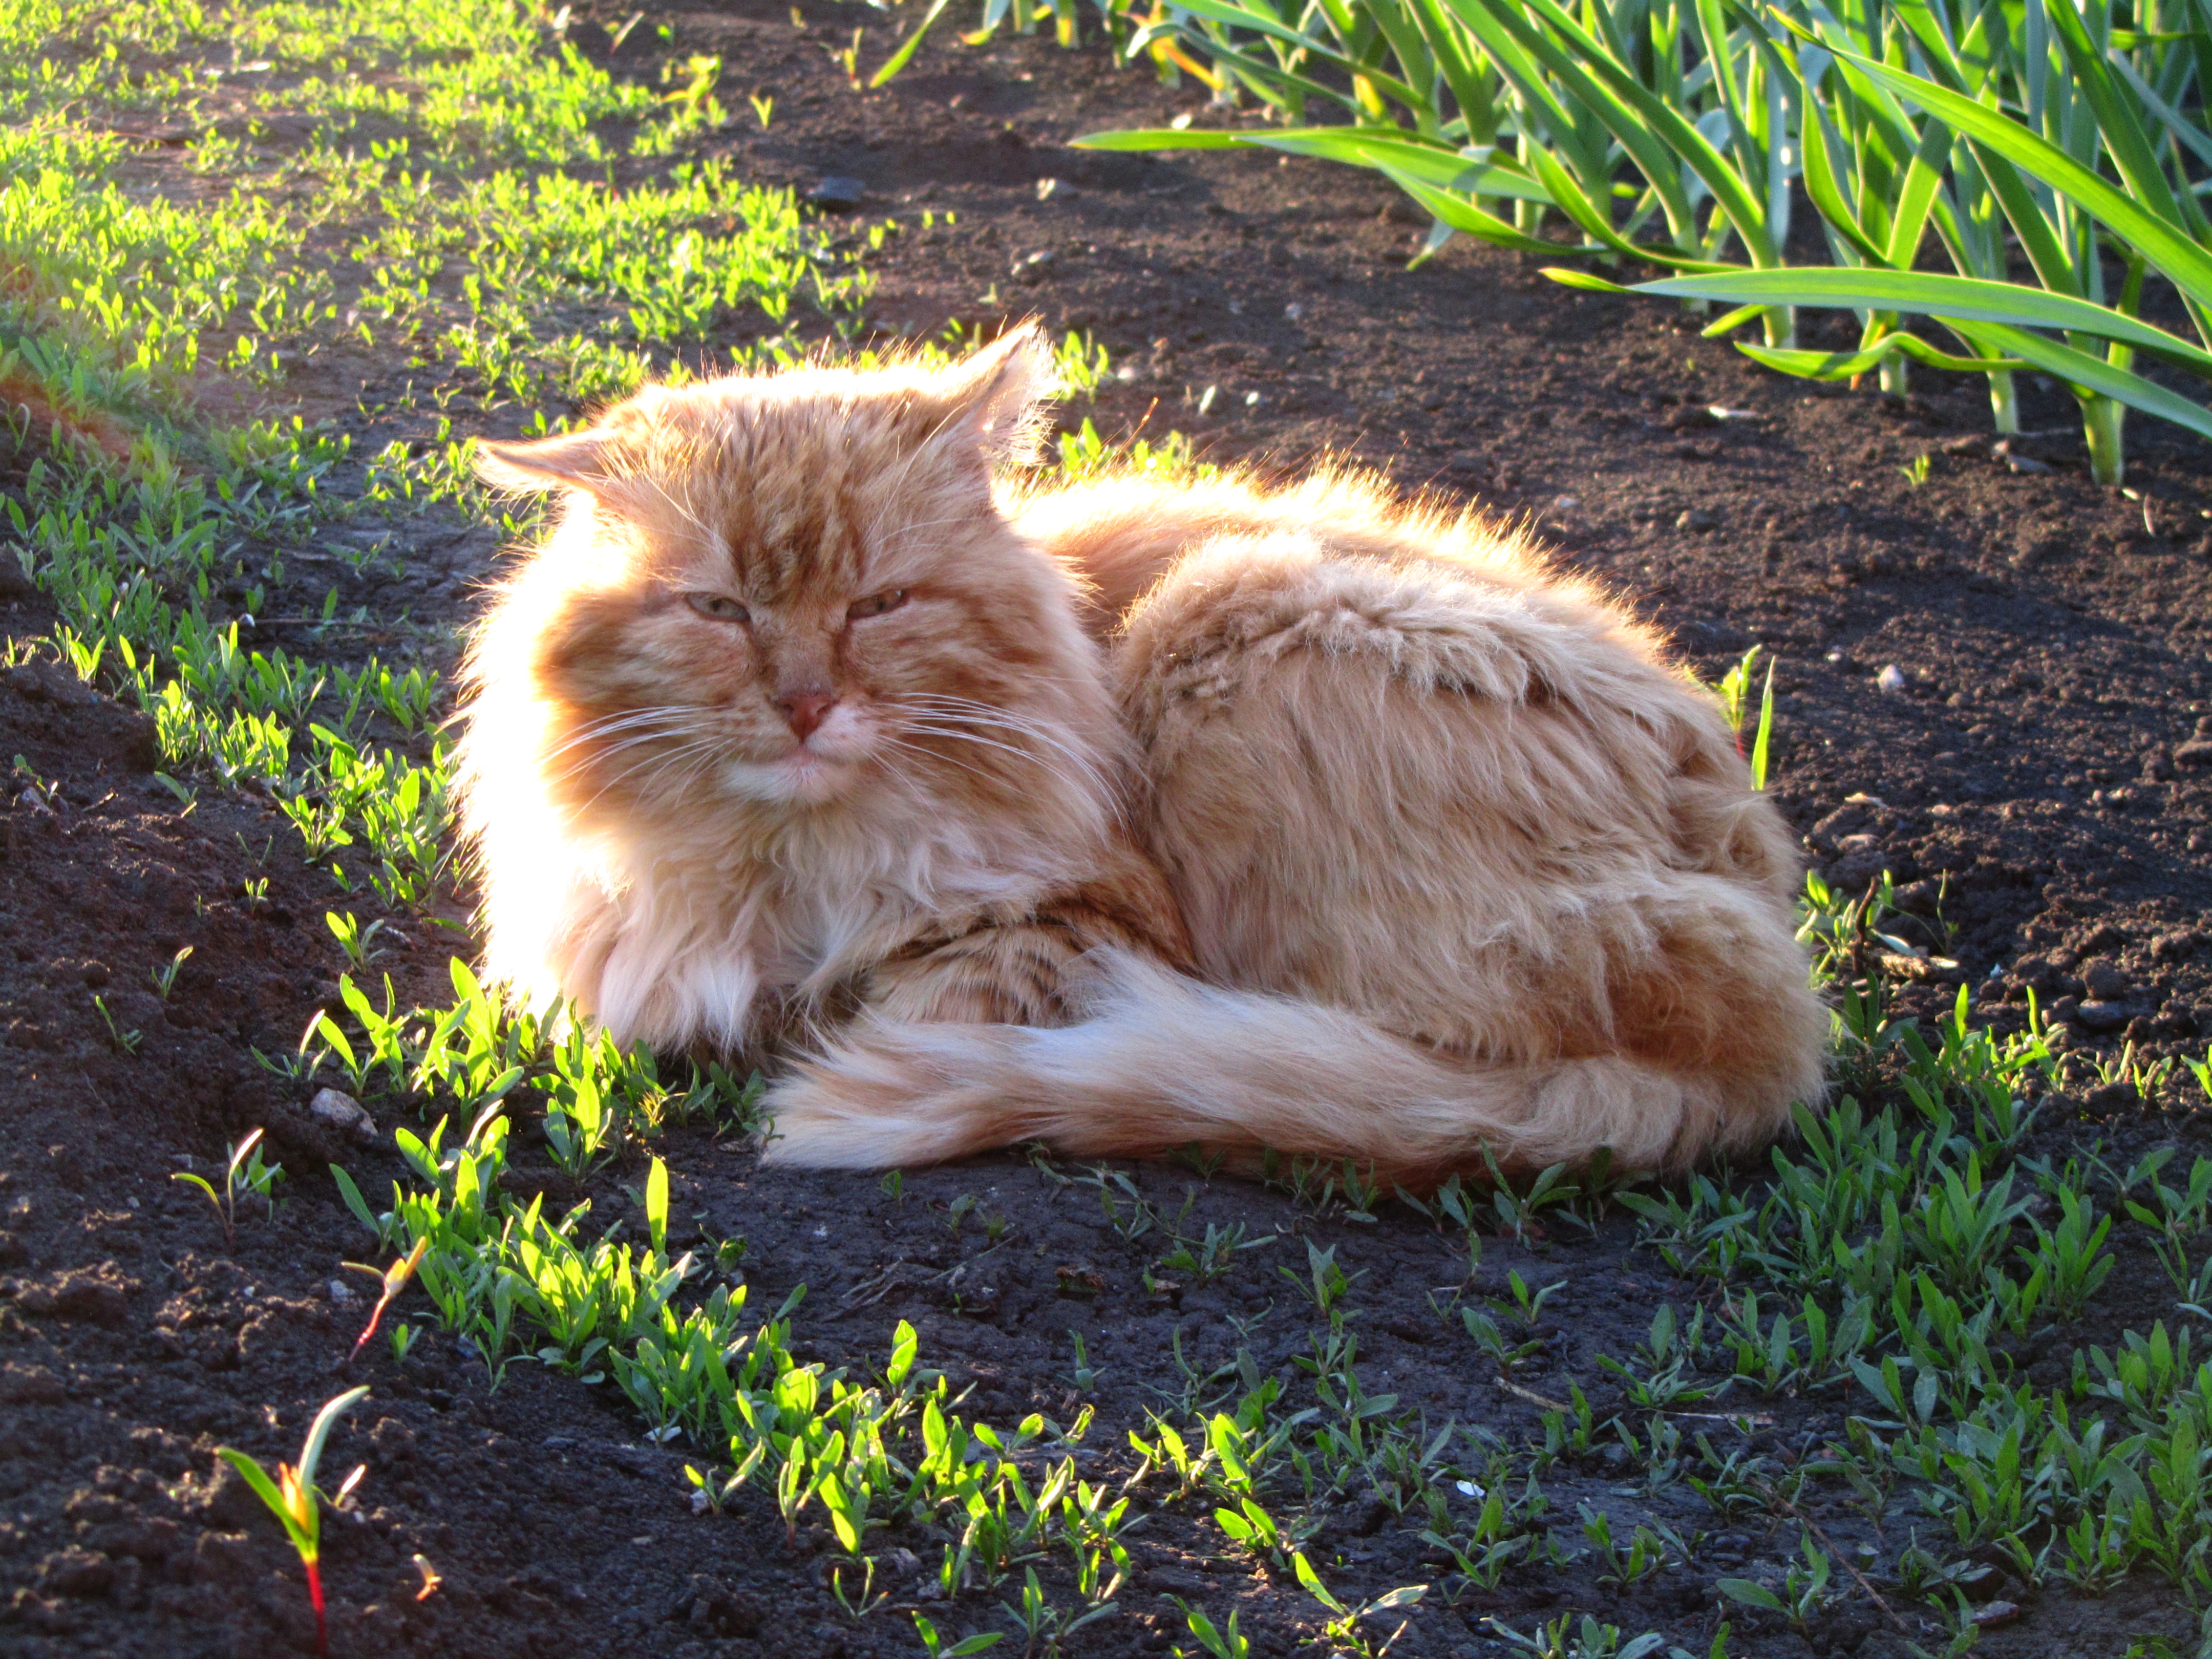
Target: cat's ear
{"type": "Point", "coordinates": [989, 399]}
{"type": "Point", "coordinates": [573, 460]}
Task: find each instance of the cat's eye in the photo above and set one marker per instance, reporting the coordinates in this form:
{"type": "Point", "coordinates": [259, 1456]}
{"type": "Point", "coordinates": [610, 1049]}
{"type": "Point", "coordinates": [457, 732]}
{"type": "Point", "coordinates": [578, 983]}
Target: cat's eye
{"type": "Point", "coordinates": [875, 605]}
{"type": "Point", "coordinates": [719, 606]}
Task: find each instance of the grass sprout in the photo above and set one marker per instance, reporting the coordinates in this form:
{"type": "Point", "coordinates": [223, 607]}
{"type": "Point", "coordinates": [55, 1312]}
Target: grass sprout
{"type": "Point", "coordinates": [243, 1172]}
{"type": "Point", "coordinates": [293, 1498]}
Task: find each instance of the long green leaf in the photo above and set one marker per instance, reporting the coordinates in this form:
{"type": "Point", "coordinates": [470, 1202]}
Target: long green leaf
{"type": "Point", "coordinates": [899, 59]}
{"type": "Point", "coordinates": [2181, 260]}
{"type": "Point", "coordinates": [1371, 147]}
{"type": "Point", "coordinates": [310, 1452]}
{"type": "Point", "coordinates": [1651, 149]}
{"type": "Point", "coordinates": [1526, 76]}
{"type": "Point", "coordinates": [1972, 298]}
{"type": "Point", "coordinates": [1242, 17]}
{"type": "Point", "coordinates": [1676, 131]}
{"type": "Point", "coordinates": [2125, 140]}
{"type": "Point", "coordinates": [1849, 364]}
{"type": "Point", "coordinates": [2080, 369]}
{"type": "Point", "coordinates": [1142, 138]}
{"type": "Point", "coordinates": [1462, 214]}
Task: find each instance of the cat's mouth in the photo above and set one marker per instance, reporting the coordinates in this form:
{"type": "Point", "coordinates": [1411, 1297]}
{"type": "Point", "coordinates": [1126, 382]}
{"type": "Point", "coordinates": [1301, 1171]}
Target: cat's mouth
{"type": "Point", "coordinates": [803, 775]}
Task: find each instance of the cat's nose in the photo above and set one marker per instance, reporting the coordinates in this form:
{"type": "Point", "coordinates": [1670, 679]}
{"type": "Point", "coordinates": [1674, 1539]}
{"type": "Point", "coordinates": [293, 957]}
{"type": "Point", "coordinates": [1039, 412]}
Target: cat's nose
{"type": "Point", "coordinates": [806, 709]}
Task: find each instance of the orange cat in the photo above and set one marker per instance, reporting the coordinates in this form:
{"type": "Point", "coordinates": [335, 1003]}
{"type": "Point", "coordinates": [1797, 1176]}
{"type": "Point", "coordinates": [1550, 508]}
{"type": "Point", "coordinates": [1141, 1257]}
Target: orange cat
{"type": "Point", "coordinates": [1343, 828]}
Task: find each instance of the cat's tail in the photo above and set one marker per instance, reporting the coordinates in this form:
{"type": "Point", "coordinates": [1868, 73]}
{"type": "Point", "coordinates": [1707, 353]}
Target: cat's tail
{"type": "Point", "coordinates": [1165, 1061]}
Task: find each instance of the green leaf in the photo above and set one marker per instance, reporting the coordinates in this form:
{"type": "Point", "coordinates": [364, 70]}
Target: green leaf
{"type": "Point", "coordinates": [1654, 134]}
{"type": "Point", "coordinates": [905, 1344]}
{"type": "Point", "coordinates": [2179, 258]}
{"type": "Point", "coordinates": [1847, 365]}
{"type": "Point", "coordinates": [2080, 368]}
{"type": "Point", "coordinates": [1752, 1594]}
{"type": "Point", "coordinates": [353, 1200]}
{"type": "Point", "coordinates": [1433, 164]}
{"type": "Point", "coordinates": [899, 59]}
{"type": "Point", "coordinates": [265, 1489]}
{"type": "Point", "coordinates": [1142, 138]}
{"type": "Point", "coordinates": [1466, 216]}
{"type": "Point", "coordinates": [1565, 276]}
{"type": "Point", "coordinates": [1973, 298]}
{"type": "Point", "coordinates": [1311, 1580]}
{"type": "Point", "coordinates": [656, 1206]}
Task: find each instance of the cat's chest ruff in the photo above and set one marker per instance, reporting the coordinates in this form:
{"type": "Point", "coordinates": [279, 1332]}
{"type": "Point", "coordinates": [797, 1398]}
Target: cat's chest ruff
{"type": "Point", "coordinates": [712, 954]}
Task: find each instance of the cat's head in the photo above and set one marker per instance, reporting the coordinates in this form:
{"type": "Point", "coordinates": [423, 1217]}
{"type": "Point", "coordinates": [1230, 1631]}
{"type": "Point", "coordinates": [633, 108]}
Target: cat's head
{"type": "Point", "coordinates": [794, 590]}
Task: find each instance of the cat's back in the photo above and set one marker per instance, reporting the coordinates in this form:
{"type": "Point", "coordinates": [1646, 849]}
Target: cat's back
{"type": "Point", "coordinates": [1183, 573]}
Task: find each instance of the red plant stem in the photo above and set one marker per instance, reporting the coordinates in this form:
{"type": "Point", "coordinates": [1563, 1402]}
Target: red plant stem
{"type": "Point", "coordinates": [369, 1329]}
{"type": "Point", "coordinates": [315, 1595]}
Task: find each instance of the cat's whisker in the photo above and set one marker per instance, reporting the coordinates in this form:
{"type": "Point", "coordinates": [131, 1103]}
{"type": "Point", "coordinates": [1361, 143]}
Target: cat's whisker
{"type": "Point", "coordinates": [1034, 759]}
{"type": "Point", "coordinates": [607, 725]}
{"type": "Point", "coordinates": [962, 710]}
{"type": "Point", "coordinates": [635, 740]}
{"type": "Point", "coordinates": [708, 743]}
{"type": "Point", "coordinates": [1083, 764]}
{"type": "Point", "coordinates": [933, 755]}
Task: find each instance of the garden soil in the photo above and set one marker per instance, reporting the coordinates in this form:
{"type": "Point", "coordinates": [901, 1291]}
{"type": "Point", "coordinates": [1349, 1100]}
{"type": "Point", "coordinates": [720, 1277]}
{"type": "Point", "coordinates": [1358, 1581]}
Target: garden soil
{"type": "Point", "coordinates": [2034, 778]}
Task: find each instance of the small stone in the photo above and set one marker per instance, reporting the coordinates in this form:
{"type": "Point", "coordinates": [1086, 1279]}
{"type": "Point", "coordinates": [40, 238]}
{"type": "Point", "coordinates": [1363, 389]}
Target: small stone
{"type": "Point", "coordinates": [1997, 1613]}
{"type": "Point", "coordinates": [343, 1113]}
{"type": "Point", "coordinates": [1891, 679]}
{"type": "Point", "coordinates": [2026, 465]}
{"type": "Point", "coordinates": [340, 1290]}
{"type": "Point", "coordinates": [1053, 190]}
{"type": "Point", "coordinates": [1294, 310]}
{"type": "Point", "coordinates": [2102, 1016]}
{"type": "Point", "coordinates": [837, 195]}
{"type": "Point", "coordinates": [2194, 753]}
{"type": "Point", "coordinates": [1564, 503]}
{"type": "Point", "coordinates": [1697, 520]}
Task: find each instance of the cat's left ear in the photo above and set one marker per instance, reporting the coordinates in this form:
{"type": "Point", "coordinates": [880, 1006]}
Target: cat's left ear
{"type": "Point", "coordinates": [571, 460]}
{"type": "Point", "coordinates": [990, 399]}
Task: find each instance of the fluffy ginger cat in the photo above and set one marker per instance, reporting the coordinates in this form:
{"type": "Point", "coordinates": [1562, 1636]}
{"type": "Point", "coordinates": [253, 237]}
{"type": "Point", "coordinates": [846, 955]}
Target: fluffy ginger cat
{"type": "Point", "coordinates": [1119, 817]}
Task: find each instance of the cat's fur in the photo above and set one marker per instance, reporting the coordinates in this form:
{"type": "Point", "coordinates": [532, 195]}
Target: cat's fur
{"type": "Point", "coordinates": [1155, 813]}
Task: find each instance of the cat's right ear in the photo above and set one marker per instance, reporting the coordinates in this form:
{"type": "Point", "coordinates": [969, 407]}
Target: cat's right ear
{"type": "Point", "coordinates": [573, 460]}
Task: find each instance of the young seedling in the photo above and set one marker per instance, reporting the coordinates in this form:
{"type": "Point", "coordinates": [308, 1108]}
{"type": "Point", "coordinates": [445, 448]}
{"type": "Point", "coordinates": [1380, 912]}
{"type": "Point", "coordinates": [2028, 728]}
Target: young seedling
{"type": "Point", "coordinates": [1219, 1643]}
{"type": "Point", "coordinates": [126, 1042]}
{"type": "Point", "coordinates": [356, 941]}
{"type": "Point", "coordinates": [395, 1280]}
{"type": "Point", "coordinates": [933, 1645]}
{"type": "Point", "coordinates": [1343, 1630]}
{"type": "Point", "coordinates": [1086, 1374]}
{"type": "Point", "coordinates": [244, 1171]}
{"type": "Point", "coordinates": [165, 979]}
{"type": "Point", "coordinates": [296, 1503]}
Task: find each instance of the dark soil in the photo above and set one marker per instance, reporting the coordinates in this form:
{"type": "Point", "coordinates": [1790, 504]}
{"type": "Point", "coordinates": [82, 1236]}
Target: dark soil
{"type": "Point", "coordinates": [2037, 788]}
